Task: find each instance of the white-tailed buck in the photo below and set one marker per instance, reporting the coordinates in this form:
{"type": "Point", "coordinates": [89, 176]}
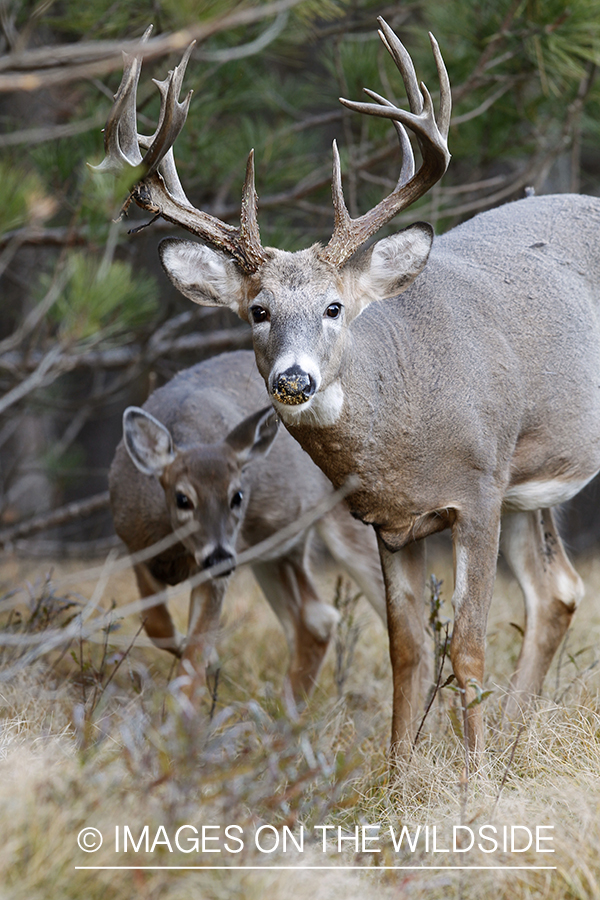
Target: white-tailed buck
{"type": "Point", "coordinates": [205, 450]}
{"type": "Point", "coordinates": [458, 377]}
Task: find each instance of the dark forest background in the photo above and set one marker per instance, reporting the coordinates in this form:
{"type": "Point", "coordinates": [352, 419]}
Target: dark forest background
{"type": "Point", "coordinates": [88, 321]}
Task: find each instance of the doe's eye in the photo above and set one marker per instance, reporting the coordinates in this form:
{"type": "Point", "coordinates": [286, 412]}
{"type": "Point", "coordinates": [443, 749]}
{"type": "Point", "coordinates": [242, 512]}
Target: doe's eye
{"type": "Point", "coordinates": [333, 311]}
{"type": "Point", "coordinates": [183, 501]}
{"type": "Point", "coordinates": [236, 500]}
{"type": "Point", "coordinates": [259, 314]}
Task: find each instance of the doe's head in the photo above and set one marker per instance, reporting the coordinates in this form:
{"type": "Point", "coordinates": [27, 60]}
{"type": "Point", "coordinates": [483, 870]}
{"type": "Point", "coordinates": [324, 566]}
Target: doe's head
{"type": "Point", "coordinates": [207, 484]}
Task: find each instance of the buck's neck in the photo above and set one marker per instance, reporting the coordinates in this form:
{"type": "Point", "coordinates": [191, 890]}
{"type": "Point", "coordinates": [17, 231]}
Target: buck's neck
{"type": "Point", "coordinates": [370, 397]}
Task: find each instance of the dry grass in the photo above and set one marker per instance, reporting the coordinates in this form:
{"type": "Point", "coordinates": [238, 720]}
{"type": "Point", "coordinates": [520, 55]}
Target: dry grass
{"type": "Point", "coordinates": [80, 747]}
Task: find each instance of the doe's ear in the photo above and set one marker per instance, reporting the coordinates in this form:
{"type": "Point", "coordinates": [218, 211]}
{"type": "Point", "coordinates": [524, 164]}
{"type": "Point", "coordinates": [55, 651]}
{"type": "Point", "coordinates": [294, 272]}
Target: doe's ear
{"type": "Point", "coordinates": [396, 261]}
{"type": "Point", "coordinates": [147, 441]}
{"type": "Point", "coordinates": [254, 436]}
{"type": "Point", "coordinates": [202, 274]}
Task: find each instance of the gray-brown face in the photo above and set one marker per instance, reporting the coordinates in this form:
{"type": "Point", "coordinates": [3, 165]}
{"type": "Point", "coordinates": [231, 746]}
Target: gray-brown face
{"type": "Point", "coordinates": [298, 320]}
{"type": "Point", "coordinates": [206, 484]}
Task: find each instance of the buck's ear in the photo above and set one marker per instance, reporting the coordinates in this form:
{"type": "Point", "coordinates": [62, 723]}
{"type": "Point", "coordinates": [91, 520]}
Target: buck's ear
{"type": "Point", "coordinates": [395, 261]}
{"type": "Point", "coordinates": [147, 441]}
{"type": "Point", "coordinates": [254, 436]}
{"type": "Point", "coordinates": [202, 274]}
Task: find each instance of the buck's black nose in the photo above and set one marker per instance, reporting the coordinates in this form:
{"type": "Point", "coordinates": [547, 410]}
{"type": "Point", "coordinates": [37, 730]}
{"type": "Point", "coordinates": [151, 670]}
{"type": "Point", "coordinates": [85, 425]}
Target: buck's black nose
{"type": "Point", "coordinates": [294, 386]}
{"type": "Point", "coordinates": [220, 555]}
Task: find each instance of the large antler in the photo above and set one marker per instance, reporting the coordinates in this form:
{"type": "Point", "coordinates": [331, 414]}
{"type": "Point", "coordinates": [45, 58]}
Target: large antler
{"type": "Point", "coordinates": [350, 234]}
{"type": "Point", "coordinates": [158, 188]}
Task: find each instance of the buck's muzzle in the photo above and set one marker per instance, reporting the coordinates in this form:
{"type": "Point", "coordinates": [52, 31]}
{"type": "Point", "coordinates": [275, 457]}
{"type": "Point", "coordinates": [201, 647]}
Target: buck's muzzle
{"type": "Point", "coordinates": [294, 386]}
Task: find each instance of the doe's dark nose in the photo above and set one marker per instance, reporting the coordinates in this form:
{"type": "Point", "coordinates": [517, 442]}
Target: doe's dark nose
{"type": "Point", "coordinates": [294, 386]}
{"type": "Point", "coordinates": [219, 555]}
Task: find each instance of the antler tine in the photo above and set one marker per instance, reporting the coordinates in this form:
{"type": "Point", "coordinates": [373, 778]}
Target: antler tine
{"type": "Point", "coordinates": [121, 146]}
{"type": "Point", "coordinates": [421, 119]}
{"type": "Point", "coordinates": [168, 170]}
{"type": "Point", "coordinates": [407, 169]}
{"type": "Point", "coordinates": [249, 230]}
{"type": "Point", "coordinates": [342, 218]}
{"type": "Point", "coordinates": [404, 63]}
{"type": "Point", "coordinates": [423, 125]}
{"type": "Point", "coordinates": [350, 234]}
{"type": "Point", "coordinates": [173, 114]}
{"type": "Point", "coordinates": [159, 190]}
{"type": "Point", "coordinates": [445, 110]}
{"type": "Point", "coordinates": [161, 143]}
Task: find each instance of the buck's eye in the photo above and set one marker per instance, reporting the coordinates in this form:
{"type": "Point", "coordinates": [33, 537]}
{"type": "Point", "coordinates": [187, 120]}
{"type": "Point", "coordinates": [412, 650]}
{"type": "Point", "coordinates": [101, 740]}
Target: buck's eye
{"type": "Point", "coordinates": [236, 500]}
{"type": "Point", "coordinates": [183, 501]}
{"type": "Point", "coordinates": [259, 314]}
{"type": "Point", "coordinates": [333, 311]}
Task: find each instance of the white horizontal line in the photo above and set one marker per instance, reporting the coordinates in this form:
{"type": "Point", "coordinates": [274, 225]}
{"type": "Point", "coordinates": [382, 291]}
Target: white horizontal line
{"type": "Point", "coordinates": [312, 868]}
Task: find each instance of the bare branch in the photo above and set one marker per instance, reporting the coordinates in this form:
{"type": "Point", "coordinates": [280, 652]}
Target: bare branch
{"type": "Point", "coordinates": [31, 136]}
{"type": "Point", "coordinates": [47, 549]}
{"type": "Point", "coordinates": [487, 103]}
{"type": "Point", "coordinates": [252, 47]}
{"type": "Point", "coordinates": [35, 316]}
{"type": "Point", "coordinates": [45, 373]}
{"type": "Point", "coordinates": [30, 70]}
{"type": "Point", "coordinates": [47, 237]}
{"type": "Point", "coordinates": [76, 510]}
{"type": "Point", "coordinates": [62, 361]}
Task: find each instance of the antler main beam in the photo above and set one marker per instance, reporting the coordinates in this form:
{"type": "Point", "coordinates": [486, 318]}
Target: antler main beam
{"type": "Point", "coordinates": [432, 135]}
{"type": "Point", "coordinates": [157, 187]}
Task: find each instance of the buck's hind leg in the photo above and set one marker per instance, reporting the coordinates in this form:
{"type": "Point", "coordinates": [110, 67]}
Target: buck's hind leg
{"type": "Point", "coordinates": [157, 620]}
{"type": "Point", "coordinates": [307, 622]}
{"type": "Point", "coordinates": [552, 590]}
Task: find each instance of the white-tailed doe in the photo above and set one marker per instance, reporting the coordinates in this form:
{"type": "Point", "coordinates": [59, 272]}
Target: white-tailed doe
{"type": "Point", "coordinates": [205, 450]}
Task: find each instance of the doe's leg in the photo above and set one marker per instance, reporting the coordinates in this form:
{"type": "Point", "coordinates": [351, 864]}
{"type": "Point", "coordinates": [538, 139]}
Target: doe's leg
{"type": "Point", "coordinates": [308, 623]}
{"type": "Point", "coordinates": [206, 603]}
{"type": "Point", "coordinates": [353, 546]}
{"type": "Point", "coordinates": [157, 620]}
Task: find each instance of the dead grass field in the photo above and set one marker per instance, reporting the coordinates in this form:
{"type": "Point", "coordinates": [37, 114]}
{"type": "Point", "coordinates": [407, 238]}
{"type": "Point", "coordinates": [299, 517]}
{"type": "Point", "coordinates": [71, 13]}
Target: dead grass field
{"type": "Point", "coordinates": [81, 747]}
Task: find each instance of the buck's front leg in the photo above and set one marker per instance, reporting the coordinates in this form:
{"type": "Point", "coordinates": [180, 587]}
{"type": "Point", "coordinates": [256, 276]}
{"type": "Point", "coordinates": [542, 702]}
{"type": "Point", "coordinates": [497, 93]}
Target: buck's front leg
{"type": "Point", "coordinates": [404, 577]}
{"type": "Point", "coordinates": [206, 603]}
{"type": "Point", "coordinates": [475, 544]}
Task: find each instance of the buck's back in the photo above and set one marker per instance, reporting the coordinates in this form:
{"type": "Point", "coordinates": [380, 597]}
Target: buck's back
{"type": "Point", "coordinates": [506, 299]}
{"type": "Point", "coordinates": [518, 296]}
